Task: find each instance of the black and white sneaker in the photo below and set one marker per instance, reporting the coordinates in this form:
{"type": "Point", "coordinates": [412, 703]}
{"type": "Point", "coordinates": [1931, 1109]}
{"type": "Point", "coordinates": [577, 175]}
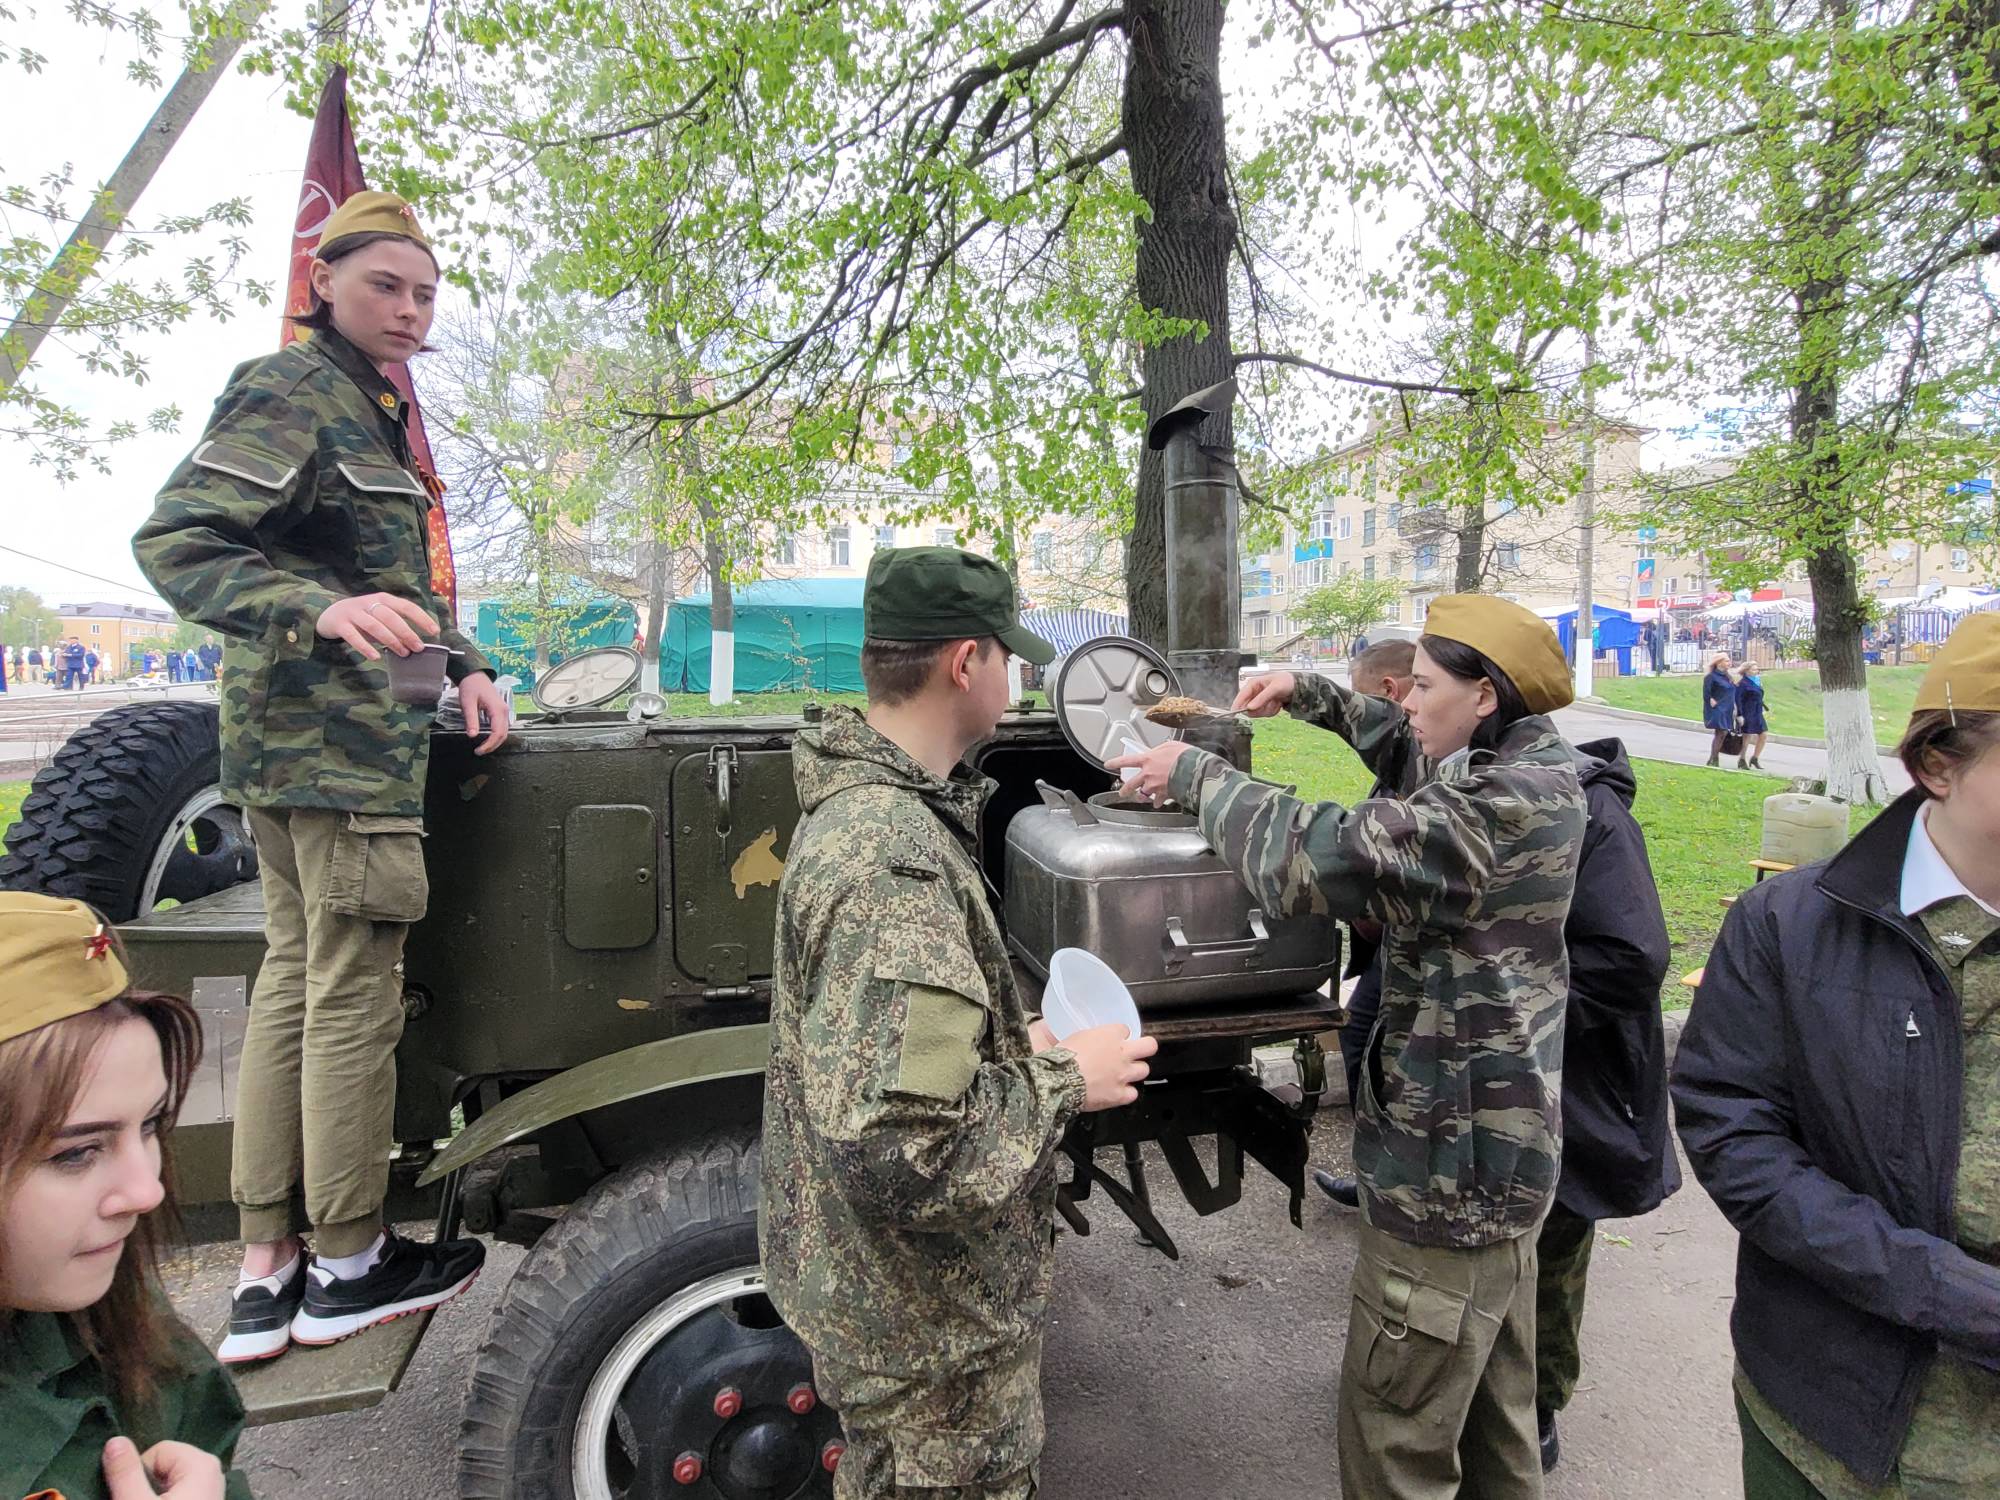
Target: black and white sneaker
{"type": "Point", "coordinates": [408, 1278]}
{"type": "Point", "coordinates": [260, 1316]}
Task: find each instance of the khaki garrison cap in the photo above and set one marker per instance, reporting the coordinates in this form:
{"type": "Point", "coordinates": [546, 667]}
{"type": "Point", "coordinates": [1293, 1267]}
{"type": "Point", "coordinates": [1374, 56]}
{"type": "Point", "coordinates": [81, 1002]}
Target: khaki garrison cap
{"type": "Point", "coordinates": [56, 961]}
{"type": "Point", "coordinates": [1517, 641]}
{"type": "Point", "coordinates": [372, 213]}
{"type": "Point", "coordinates": [1966, 671]}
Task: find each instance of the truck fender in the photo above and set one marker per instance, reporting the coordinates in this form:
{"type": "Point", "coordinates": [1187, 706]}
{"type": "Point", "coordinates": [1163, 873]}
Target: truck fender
{"type": "Point", "coordinates": [672, 1062]}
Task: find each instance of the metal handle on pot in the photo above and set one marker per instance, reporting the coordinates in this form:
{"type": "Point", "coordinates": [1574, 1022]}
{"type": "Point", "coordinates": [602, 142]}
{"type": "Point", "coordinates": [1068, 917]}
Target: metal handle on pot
{"type": "Point", "coordinates": [1057, 799]}
{"type": "Point", "coordinates": [1180, 949]}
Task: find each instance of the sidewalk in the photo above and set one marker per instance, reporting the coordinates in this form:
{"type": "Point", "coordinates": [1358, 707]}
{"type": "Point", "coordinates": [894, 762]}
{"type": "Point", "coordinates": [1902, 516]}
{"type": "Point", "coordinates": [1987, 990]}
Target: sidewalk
{"type": "Point", "coordinates": [1689, 746]}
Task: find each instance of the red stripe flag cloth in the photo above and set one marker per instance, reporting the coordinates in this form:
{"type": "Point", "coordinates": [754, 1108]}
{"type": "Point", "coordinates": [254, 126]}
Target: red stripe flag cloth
{"type": "Point", "coordinates": [333, 174]}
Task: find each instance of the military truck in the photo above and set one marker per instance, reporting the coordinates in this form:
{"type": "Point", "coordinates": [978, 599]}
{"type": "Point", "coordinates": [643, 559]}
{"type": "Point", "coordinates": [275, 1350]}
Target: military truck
{"type": "Point", "coordinates": [586, 1005]}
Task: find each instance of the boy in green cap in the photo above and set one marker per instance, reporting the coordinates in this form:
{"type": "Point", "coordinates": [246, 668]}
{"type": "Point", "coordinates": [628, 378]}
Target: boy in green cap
{"type": "Point", "coordinates": [912, 1111]}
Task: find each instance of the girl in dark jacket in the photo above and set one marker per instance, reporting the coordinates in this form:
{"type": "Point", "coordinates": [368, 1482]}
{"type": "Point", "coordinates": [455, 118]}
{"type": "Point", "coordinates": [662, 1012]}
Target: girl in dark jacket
{"type": "Point", "coordinates": [1750, 717]}
{"type": "Point", "coordinates": [1718, 704]}
{"type": "Point", "coordinates": [1838, 1091]}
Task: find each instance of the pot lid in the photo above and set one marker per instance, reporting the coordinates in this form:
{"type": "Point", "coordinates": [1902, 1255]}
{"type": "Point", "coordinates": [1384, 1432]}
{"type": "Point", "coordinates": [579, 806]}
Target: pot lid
{"type": "Point", "coordinates": [587, 680]}
{"type": "Point", "coordinates": [1101, 693]}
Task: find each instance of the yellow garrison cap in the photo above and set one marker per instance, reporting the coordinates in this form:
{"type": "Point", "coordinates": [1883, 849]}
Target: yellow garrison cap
{"type": "Point", "coordinates": [1517, 641]}
{"type": "Point", "coordinates": [373, 213]}
{"type": "Point", "coordinates": [1966, 671]}
{"type": "Point", "coordinates": [56, 961]}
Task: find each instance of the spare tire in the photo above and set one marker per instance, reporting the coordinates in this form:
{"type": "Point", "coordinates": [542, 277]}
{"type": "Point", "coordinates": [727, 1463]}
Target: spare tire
{"type": "Point", "coordinates": [130, 813]}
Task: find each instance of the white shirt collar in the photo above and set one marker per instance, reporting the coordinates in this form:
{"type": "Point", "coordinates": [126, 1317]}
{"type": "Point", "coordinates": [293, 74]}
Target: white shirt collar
{"type": "Point", "coordinates": [1927, 879]}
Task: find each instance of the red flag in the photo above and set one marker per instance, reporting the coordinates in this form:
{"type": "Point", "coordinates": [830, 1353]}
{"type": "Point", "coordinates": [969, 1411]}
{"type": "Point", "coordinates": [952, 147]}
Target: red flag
{"type": "Point", "coordinates": [333, 174]}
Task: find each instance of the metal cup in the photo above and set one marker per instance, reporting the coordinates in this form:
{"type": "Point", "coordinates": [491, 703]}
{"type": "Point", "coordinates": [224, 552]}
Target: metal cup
{"type": "Point", "coordinates": [418, 679]}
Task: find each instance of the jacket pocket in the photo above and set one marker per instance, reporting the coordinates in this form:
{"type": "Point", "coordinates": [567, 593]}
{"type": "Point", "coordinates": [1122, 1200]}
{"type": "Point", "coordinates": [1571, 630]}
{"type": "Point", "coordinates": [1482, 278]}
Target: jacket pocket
{"type": "Point", "coordinates": [1405, 1332]}
{"type": "Point", "coordinates": [377, 869]}
{"type": "Point", "coordinates": [944, 1025]}
{"type": "Point", "coordinates": [388, 507]}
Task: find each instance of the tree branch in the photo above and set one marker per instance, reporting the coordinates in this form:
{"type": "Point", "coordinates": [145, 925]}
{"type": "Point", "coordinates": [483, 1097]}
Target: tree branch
{"type": "Point", "coordinates": [1299, 362]}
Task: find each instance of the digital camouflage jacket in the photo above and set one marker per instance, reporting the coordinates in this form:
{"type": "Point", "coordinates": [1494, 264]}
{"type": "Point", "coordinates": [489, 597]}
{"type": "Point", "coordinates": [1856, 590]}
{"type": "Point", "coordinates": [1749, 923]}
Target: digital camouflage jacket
{"type": "Point", "coordinates": [1458, 1130]}
{"type": "Point", "coordinates": [910, 1132]}
{"type": "Point", "coordinates": [301, 492]}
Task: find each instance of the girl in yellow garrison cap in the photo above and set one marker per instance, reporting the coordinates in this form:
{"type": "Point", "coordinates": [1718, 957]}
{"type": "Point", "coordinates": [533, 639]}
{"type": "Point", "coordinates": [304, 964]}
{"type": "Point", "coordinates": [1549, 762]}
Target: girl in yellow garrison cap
{"type": "Point", "coordinates": [1457, 1138]}
{"type": "Point", "coordinates": [104, 1395]}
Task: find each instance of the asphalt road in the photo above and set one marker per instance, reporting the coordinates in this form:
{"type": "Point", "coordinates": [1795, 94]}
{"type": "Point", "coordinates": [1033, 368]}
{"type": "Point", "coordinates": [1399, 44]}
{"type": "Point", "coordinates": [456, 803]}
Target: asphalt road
{"type": "Point", "coordinates": [1215, 1376]}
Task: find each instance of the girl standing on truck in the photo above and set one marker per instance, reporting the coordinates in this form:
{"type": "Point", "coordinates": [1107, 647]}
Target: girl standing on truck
{"type": "Point", "coordinates": [104, 1395]}
{"type": "Point", "coordinates": [1457, 1136]}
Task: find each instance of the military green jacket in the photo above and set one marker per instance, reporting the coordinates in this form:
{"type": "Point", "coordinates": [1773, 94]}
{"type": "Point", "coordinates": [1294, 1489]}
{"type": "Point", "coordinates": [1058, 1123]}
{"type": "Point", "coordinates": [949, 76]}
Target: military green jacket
{"type": "Point", "coordinates": [57, 1412]}
{"type": "Point", "coordinates": [300, 492]}
{"type": "Point", "coordinates": [909, 1129]}
{"type": "Point", "coordinates": [1458, 1130]}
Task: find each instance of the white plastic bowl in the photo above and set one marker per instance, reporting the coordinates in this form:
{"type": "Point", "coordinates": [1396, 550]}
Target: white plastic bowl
{"type": "Point", "coordinates": [1084, 991]}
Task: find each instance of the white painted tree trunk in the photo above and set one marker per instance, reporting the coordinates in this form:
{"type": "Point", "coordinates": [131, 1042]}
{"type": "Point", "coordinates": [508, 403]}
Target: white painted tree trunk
{"type": "Point", "coordinates": [1853, 773]}
{"type": "Point", "coordinates": [721, 666]}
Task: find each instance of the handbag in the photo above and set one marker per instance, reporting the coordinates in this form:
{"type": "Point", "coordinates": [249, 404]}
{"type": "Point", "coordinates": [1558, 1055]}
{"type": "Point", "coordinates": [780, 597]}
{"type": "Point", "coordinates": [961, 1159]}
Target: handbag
{"type": "Point", "coordinates": [1732, 743]}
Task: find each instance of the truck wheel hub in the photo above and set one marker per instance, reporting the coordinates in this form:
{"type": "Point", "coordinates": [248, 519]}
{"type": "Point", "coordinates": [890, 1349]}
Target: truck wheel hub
{"type": "Point", "coordinates": [713, 1378]}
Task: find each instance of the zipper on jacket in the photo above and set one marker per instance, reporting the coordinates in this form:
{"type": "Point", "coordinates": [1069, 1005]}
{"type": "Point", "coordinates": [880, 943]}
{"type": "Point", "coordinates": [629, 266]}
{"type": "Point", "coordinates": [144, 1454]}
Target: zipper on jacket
{"type": "Point", "coordinates": [1948, 1207]}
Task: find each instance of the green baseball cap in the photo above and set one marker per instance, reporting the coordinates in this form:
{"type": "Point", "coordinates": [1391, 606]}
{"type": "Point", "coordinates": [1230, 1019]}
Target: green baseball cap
{"type": "Point", "coordinates": [943, 594]}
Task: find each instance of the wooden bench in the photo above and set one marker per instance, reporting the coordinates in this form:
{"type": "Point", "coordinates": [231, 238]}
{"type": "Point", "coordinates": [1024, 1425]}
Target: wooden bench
{"type": "Point", "coordinates": [1692, 979]}
{"type": "Point", "coordinates": [1765, 867]}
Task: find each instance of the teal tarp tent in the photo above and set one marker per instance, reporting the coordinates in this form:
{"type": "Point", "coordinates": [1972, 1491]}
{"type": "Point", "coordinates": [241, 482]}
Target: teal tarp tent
{"type": "Point", "coordinates": [791, 634]}
{"type": "Point", "coordinates": [506, 634]}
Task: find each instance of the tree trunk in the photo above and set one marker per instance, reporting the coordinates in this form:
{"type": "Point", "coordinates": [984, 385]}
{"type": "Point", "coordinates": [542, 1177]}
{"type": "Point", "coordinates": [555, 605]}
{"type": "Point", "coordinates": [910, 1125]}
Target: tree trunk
{"type": "Point", "coordinates": [1174, 144]}
{"type": "Point", "coordinates": [721, 613]}
{"type": "Point", "coordinates": [42, 310]}
{"type": "Point", "coordinates": [1853, 769]}
{"type": "Point", "coordinates": [1471, 550]}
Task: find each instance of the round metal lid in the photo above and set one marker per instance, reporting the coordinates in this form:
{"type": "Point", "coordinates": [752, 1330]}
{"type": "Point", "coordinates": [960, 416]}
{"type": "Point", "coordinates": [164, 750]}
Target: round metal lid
{"type": "Point", "coordinates": [587, 680]}
{"type": "Point", "coordinates": [1101, 693]}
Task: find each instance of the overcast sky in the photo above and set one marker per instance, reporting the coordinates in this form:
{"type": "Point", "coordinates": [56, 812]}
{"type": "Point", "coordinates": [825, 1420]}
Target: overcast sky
{"type": "Point", "coordinates": [83, 110]}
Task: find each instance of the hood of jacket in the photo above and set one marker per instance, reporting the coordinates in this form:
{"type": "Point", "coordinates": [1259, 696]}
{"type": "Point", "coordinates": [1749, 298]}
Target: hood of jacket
{"type": "Point", "coordinates": [1604, 763]}
{"type": "Point", "coordinates": [843, 751]}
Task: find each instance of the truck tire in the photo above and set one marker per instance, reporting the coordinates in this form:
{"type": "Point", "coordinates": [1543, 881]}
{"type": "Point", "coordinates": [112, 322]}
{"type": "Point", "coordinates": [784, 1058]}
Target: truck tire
{"type": "Point", "coordinates": [130, 813]}
{"type": "Point", "coordinates": [634, 1355]}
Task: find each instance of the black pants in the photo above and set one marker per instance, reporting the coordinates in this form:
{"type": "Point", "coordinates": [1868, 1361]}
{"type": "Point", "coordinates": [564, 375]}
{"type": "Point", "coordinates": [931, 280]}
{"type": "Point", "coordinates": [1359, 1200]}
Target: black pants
{"type": "Point", "coordinates": [1363, 1006]}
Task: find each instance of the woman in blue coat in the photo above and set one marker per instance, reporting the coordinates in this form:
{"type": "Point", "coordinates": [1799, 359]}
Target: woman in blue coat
{"type": "Point", "coordinates": [1718, 703]}
{"type": "Point", "coordinates": [1750, 717]}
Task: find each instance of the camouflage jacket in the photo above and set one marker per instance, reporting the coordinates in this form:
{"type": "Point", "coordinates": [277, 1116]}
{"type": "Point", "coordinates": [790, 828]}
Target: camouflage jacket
{"type": "Point", "coordinates": [301, 492]}
{"type": "Point", "coordinates": [1458, 1130]}
{"type": "Point", "coordinates": [910, 1132]}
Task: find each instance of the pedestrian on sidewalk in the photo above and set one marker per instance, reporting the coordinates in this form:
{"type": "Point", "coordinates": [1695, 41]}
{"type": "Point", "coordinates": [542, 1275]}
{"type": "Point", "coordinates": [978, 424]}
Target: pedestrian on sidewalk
{"type": "Point", "coordinates": [19, 664]}
{"type": "Point", "coordinates": [173, 665]}
{"type": "Point", "coordinates": [1718, 704]}
{"type": "Point", "coordinates": [35, 660]}
{"type": "Point", "coordinates": [1838, 1091]}
{"type": "Point", "coordinates": [1457, 1133]}
{"type": "Point", "coordinates": [90, 665]}
{"type": "Point", "coordinates": [73, 660]}
{"type": "Point", "coordinates": [1750, 719]}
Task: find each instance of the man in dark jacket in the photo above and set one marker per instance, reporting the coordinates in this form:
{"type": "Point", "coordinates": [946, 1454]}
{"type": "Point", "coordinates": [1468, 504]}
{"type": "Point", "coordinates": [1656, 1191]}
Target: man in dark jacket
{"type": "Point", "coordinates": [1838, 1091]}
{"type": "Point", "coordinates": [1617, 1160]}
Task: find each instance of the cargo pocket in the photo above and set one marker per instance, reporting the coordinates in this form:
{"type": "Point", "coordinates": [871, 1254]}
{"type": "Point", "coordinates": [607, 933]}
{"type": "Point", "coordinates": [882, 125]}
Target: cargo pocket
{"type": "Point", "coordinates": [1404, 1331]}
{"type": "Point", "coordinates": [377, 869]}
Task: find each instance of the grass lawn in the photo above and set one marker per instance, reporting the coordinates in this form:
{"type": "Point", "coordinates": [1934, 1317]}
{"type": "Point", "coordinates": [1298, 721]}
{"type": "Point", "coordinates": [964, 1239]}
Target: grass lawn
{"type": "Point", "coordinates": [1701, 827]}
{"type": "Point", "coordinates": [1791, 699]}
{"type": "Point", "coordinates": [11, 793]}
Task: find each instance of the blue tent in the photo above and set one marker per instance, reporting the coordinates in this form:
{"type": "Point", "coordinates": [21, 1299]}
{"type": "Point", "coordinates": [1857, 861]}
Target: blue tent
{"type": "Point", "coordinates": [791, 634]}
{"type": "Point", "coordinates": [1612, 629]}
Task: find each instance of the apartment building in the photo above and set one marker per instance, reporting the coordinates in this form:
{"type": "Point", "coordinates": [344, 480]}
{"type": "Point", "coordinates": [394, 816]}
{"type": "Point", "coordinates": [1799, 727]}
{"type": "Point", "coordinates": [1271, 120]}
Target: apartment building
{"type": "Point", "coordinates": [115, 631]}
{"type": "Point", "coordinates": [1375, 522]}
{"type": "Point", "coordinates": [1066, 562]}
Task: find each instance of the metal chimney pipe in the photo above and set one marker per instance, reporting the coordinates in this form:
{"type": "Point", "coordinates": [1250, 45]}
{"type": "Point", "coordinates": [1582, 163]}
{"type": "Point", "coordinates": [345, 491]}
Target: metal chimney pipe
{"type": "Point", "coordinates": [1204, 586]}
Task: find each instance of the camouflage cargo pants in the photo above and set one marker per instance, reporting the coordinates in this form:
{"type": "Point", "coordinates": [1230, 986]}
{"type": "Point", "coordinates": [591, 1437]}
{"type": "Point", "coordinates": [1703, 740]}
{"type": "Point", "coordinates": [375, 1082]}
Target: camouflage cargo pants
{"type": "Point", "coordinates": [1437, 1389]}
{"type": "Point", "coordinates": [316, 1094]}
{"type": "Point", "coordinates": [1562, 1267]}
{"type": "Point", "coordinates": [969, 1435]}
